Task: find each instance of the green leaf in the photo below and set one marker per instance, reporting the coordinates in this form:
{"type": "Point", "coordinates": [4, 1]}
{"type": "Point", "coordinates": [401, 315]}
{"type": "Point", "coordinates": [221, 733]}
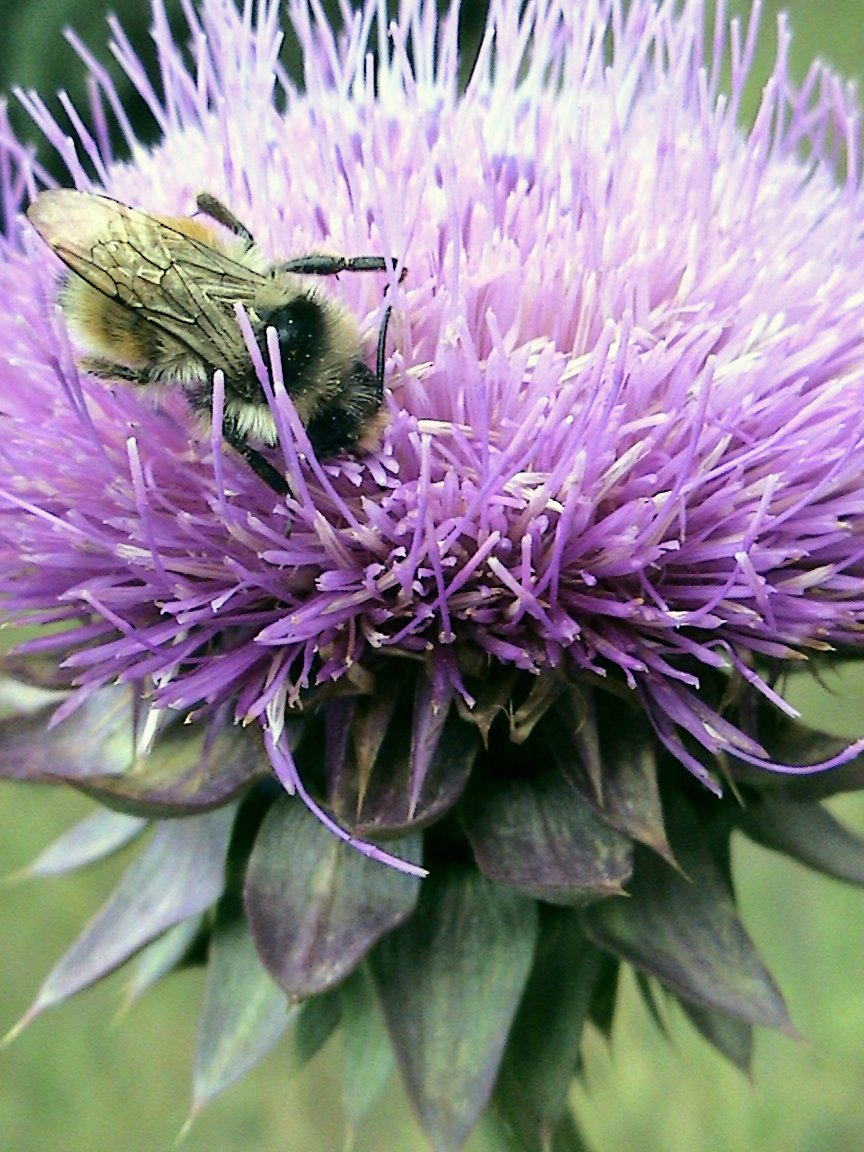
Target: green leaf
{"type": "Point", "coordinates": [22, 697]}
{"type": "Point", "coordinates": [648, 994]}
{"type": "Point", "coordinates": [244, 1011]}
{"type": "Point", "coordinates": [179, 874]}
{"type": "Point", "coordinates": [356, 728]}
{"type": "Point", "coordinates": [189, 769]}
{"type": "Point", "coordinates": [807, 832]}
{"type": "Point", "coordinates": [315, 904]}
{"type": "Point", "coordinates": [98, 737]}
{"type": "Point", "coordinates": [684, 929]}
{"type": "Point", "coordinates": [406, 776]}
{"type": "Point", "coordinates": [572, 737]}
{"type": "Point", "coordinates": [542, 693]}
{"type": "Point", "coordinates": [492, 697]}
{"type": "Point", "coordinates": [605, 997]}
{"type": "Point", "coordinates": [732, 1038]}
{"type": "Point", "coordinates": [543, 838]}
{"type": "Point", "coordinates": [93, 838]}
{"type": "Point", "coordinates": [450, 981]}
{"type": "Point", "coordinates": [367, 1054]}
{"type": "Point", "coordinates": [503, 1137]}
{"type": "Point", "coordinates": [166, 953]}
{"type": "Point", "coordinates": [542, 1050]}
{"type": "Point", "coordinates": [317, 1020]}
{"type": "Point", "coordinates": [631, 797]}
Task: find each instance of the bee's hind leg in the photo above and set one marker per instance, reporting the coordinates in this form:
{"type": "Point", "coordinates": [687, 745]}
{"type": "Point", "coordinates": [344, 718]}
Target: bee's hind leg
{"type": "Point", "coordinates": [381, 355]}
{"type": "Point", "coordinates": [104, 369]}
{"type": "Point", "coordinates": [262, 468]}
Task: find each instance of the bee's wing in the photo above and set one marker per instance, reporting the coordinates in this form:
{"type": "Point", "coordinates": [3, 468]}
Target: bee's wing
{"type": "Point", "coordinates": [181, 284]}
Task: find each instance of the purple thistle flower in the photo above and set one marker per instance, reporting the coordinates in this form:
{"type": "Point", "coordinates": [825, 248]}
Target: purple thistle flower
{"type": "Point", "coordinates": [625, 393]}
{"type": "Point", "coordinates": [618, 491]}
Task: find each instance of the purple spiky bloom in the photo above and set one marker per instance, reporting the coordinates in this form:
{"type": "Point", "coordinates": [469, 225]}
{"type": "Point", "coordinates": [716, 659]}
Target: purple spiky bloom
{"type": "Point", "coordinates": [618, 492]}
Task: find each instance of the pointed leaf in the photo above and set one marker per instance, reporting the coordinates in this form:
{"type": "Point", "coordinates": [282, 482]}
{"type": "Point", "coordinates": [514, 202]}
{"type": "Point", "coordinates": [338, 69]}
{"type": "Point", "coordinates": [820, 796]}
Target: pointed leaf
{"type": "Point", "coordinates": [732, 1038]}
{"type": "Point", "coordinates": [492, 699]}
{"type": "Point", "coordinates": [188, 770]}
{"type": "Point", "coordinates": [427, 724]}
{"type": "Point", "coordinates": [317, 1020]}
{"type": "Point", "coordinates": [631, 797]}
{"type": "Point", "coordinates": [806, 832]}
{"type": "Point", "coordinates": [38, 669]}
{"type": "Point", "coordinates": [541, 837]}
{"type": "Point", "coordinates": [366, 723]}
{"type": "Point", "coordinates": [433, 758]}
{"type": "Point", "coordinates": [450, 981]}
{"type": "Point", "coordinates": [685, 930]}
{"type": "Point", "coordinates": [315, 904]}
{"type": "Point", "coordinates": [542, 1051]}
{"type": "Point", "coordinates": [93, 838]}
{"type": "Point", "coordinates": [166, 953]}
{"type": "Point", "coordinates": [503, 1137]}
{"type": "Point", "coordinates": [20, 698]}
{"type": "Point", "coordinates": [544, 691]}
{"type": "Point", "coordinates": [178, 875]}
{"type": "Point", "coordinates": [646, 992]}
{"type": "Point", "coordinates": [370, 728]}
{"type": "Point", "coordinates": [605, 997]}
{"type": "Point", "coordinates": [98, 737]}
{"type": "Point", "coordinates": [367, 1054]}
{"type": "Point", "coordinates": [244, 1011]}
{"type": "Point", "coordinates": [570, 731]}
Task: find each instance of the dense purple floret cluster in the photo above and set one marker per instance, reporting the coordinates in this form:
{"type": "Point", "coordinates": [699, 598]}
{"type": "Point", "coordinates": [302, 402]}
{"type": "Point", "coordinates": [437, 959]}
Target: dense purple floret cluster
{"type": "Point", "coordinates": [625, 382]}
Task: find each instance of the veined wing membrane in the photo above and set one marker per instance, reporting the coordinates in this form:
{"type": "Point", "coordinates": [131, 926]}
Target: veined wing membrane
{"type": "Point", "coordinates": [171, 279]}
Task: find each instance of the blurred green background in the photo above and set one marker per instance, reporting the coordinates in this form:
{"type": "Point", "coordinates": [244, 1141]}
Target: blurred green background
{"type": "Point", "coordinates": [80, 1078]}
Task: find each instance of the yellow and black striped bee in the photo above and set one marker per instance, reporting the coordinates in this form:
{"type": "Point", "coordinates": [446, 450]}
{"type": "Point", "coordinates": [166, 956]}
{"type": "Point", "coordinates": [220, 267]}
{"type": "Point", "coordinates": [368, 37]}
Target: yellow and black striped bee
{"type": "Point", "coordinates": [153, 300]}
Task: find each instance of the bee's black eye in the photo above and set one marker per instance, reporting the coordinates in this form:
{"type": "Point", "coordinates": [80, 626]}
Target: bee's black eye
{"type": "Point", "coordinates": [301, 329]}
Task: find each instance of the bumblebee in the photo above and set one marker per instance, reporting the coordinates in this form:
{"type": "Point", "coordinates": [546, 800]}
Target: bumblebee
{"type": "Point", "coordinates": [153, 300]}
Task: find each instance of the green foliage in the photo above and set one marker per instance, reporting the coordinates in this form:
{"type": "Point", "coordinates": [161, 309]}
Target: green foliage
{"type": "Point", "coordinates": [73, 1080]}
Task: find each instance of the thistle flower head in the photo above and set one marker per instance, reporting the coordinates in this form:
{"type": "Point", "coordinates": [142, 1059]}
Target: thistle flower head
{"type": "Point", "coordinates": [619, 485]}
{"type": "Point", "coordinates": [624, 385]}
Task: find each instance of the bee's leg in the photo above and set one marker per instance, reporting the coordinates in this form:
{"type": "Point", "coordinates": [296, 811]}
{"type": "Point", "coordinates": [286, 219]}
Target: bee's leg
{"type": "Point", "coordinates": [262, 468]}
{"type": "Point", "coordinates": [218, 211]}
{"type": "Point", "coordinates": [381, 355]}
{"type": "Point", "coordinates": [320, 264]}
{"type": "Point", "coordinates": [317, 264]}
{"type": "Point", "coordinates": [111, 370]}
